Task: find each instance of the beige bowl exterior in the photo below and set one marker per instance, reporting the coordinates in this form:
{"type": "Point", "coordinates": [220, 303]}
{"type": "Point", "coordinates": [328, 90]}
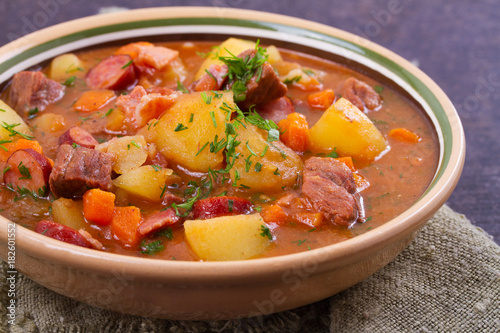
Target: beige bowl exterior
{"type": "Point", "coordinates": [223, 290]}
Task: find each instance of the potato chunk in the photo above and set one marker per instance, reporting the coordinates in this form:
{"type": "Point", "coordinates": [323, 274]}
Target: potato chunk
{"type": "Point", "coordinates": [147, 182]}
{"type": "Point", "coordinates": [228, 237]}
{"type": "Point", "coordinates": [9, 117]}
{"type": "Point", "coordinates": [190, 124]}
{"type": "Point", "coordinates": [64, 66]}
{"type": "Point", "coordinates": [130, 152]}
{"type": "Point", "coordinates": [69, 213]}
{"type": "Point", "coordinates": [277, 167]}
{"type": "Point", "coordinates": [349, 131]}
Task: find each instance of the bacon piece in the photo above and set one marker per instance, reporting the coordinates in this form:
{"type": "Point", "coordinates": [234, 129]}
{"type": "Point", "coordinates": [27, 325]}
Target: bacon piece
{"type": "Point", "coordinates": [277, 109]}
{"type": "Point", "coordinates": [94, 242]}
{"type": "Point", "coordinates": [28, 169]}
{"type": "Point", "coordinates": [140, 106]}
{"type": "Point", "coordinates": [78, 136]}
{"type": "Point", "coordinates": [155, 56]}
{"type": "Point", "coordinates": [115, 72]}
{"type": "Point", "coordinates": [62, 233]}
{"type": "Point", "coordinates": [221, 206]}
{"type": "Point", "coordinates": [157, 221]}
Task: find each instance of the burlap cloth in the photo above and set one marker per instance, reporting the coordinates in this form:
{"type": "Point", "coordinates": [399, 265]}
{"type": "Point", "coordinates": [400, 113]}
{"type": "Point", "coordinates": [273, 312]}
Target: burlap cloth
{"type": "Point", "coordinates": [447, 280]}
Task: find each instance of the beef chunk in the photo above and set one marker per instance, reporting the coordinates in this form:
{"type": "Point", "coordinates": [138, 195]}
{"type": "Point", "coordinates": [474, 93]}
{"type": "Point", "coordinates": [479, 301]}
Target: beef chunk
{"type": "Point", "coordinates": [261, 87]}
{"type": "Point", "coordinates": [78, 169]}
{"type": "Point", "coordinates": [30, 90]}
{"type": "Point", "coordinates": [330, 189]}
{"type": "Point", "coordinates": [361, 94]}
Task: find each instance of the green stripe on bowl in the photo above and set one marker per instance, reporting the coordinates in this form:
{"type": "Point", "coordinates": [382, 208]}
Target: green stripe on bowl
{"type": "Point", "coordinates": [407, 77]}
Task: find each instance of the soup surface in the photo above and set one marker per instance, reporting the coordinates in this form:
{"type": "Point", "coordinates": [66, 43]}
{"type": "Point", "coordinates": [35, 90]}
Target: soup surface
{"type": "Point", "coordinates": [206, 151]}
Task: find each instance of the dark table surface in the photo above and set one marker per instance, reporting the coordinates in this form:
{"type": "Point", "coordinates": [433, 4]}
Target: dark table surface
{"type": "Point", "coordinates": [457, 43]}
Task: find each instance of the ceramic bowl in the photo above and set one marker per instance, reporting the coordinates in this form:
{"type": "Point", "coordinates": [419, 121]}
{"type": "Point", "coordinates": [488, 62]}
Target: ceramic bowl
{"type": "Point", "coordinates": [210, 290]}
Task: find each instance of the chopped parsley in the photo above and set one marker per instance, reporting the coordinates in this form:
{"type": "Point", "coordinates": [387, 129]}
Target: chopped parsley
{"type": "Point", "coordinates": [151, 248]}
{"type": "Point", "coordinates": [32, 113]}
{"type": "Point", "coordinates": [156, 167]}
{"type": "Point", "coordinates": [182, 88]}
{"type": "Point", "coordinates": [378, 89]}
{"type": "Point", "coordinates": [107, 113]}
{"type": "Point", "coordinates": [258, 167]}
{"type": "Point", "coordinates": [266, 232]}
{"type": "Point", "coordinates": [180, 127]}
{"type": "Point", "coordinates": [127, 64]}
{"type": "Point", "coordinates": [207, 99]}
{"type": "Point", "coordinates": [293, 79]}
{"type": "Point", "coordinates": [70, 81]}
{"type": "Point", "coordinates": [241, 70]}
{"type": "Point", "coordinates": [191, 117]}
{"type": "Point", "coordinates": [13, 132]}
{"type": "Point", "coordinates": [333, 153]}
{"type": "Point", "coordinates": [24, 171]}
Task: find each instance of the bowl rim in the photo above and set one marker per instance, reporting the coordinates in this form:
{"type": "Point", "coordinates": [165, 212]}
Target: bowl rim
{"type": "Point", "coordinates": [335, 255]}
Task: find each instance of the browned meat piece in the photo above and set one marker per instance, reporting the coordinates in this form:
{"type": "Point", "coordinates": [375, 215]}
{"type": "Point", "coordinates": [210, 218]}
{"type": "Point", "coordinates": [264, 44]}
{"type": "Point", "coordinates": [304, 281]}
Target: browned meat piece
{"type": "Point", "coordinates": [78, 169]}
{"type": "Point", "coordinates": [157, 221]}
{"type": "Point", "coordinates": [277, 109]}
{"type": "Point", "coordinates": [261, 87]}
{"type": "Point", "coordinates": [361, 94]}
{"type": "Point", "coordinates": [78, 136]}
{"type": "Point", "coordinates": [330, 189]}
{"type": "Point", "coordinates": [32, 90]}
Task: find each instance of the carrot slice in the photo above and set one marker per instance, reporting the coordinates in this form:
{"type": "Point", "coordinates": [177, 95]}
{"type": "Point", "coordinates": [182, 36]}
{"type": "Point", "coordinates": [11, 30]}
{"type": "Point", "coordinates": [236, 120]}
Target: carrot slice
{"type": "Point", "coordinates": [124, 224]}
{"type": "Point", "coordinates": [10, 147]}
{"type": "Point", "coordinates": [98, 206]}
{"type": "Point", "coordinates": [295, 131]}
{"type": "Point", "coordinates": [93, 100]}
{"type": "Point", "coordinates": [405, 135]}
{"type": "Point", "coordinates": [322, 99]}
{"type": "Point", "coordinates": [274, 213]}
{"type": "Point", "coordinates": [347, 160]}
{"type": "Point", "coordinates": [132, 49]}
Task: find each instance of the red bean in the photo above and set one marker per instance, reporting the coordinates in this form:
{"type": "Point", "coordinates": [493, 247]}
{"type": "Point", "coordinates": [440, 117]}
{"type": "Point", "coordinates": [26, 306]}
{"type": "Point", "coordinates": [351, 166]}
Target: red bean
{"type": "Point", "coordinates": [78, 136]}
{"type": "Point", "coordinates": [62, 233]}
{"type": "Point", "coordinates": [28, 169]}
{"type": "Point", "coordinates": [115, 72]}
{"type": "Point", "coordinates": [221, 206]}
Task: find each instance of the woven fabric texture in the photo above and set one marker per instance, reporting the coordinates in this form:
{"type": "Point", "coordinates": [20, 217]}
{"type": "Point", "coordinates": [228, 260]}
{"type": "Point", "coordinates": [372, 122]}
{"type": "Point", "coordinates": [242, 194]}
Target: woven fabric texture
{"type": "Point", "coordinates": [447, 280]}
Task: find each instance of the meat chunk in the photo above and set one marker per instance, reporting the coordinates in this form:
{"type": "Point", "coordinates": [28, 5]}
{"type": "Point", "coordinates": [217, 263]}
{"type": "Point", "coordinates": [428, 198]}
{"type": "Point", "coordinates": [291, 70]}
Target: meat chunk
{"type": "Point", "coordinates": [277, 109]}
{"type": "Point", "coordinates": [361, 94]}
{"type": "Point", "coordinates": [140, 106]}
{"type": "Point", "coordinates": [32, 90]}
{"type": "Point", "coordinates": [156, 56]}
{"type": "Point", "coordinates": [264, 86]}
{"type": "Point", "coordinates": [115, 72]}
{"type": "Point", "coordinates": [330, 189]}
{"type": "Point", "coordinates": [78, 169]}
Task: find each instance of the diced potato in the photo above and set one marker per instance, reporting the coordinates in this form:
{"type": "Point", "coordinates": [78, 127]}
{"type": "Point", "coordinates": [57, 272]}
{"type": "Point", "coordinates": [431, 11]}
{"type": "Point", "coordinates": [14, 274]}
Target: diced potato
{"type": "Point", "coordinates": [273, 54]}
{"type": "Point", "coordinates": [64, 66]}
{"type": "Point", "coordinates": [49, 122]}
{"type": "Point", "coordinates": [70, 213]}
{"type": "Point", "coordinates": [279, 166]}
{"type": "Point", "coordinates": [349, 131]}
{"type": "Point", "coordinates": [187, 126]}
{"type": "Point", "coordinates": [130, 152]}
{"type": "Point", "coordinates": [233, 45]}
{"type": "Point", "coordinates": [115, 120]}
{"type": "Point", "coordinates": [10, 117]}
{"type": "Point", "coordinates": [146, 182]}
{"type": "Point", "coordinates": [228, 237]}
